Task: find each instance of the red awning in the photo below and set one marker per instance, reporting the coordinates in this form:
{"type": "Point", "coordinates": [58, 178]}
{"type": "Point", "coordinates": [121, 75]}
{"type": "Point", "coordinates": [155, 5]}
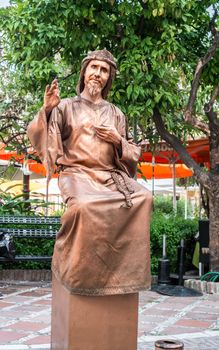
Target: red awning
{"type": "Point", "coordinates": [163, 153]}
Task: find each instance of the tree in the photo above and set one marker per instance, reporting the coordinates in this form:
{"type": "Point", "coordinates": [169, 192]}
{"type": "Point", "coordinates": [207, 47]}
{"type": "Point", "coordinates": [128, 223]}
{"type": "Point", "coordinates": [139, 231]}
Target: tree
{"type": "Point", "coordinates": [13, 111]}
{"type": "Point", "coordinates": [157, 44]}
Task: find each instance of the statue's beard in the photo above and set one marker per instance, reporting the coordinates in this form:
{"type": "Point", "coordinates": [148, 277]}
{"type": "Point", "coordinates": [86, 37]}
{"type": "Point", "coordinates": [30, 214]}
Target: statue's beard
{"type": "Point", "coordinates": [94, 88]}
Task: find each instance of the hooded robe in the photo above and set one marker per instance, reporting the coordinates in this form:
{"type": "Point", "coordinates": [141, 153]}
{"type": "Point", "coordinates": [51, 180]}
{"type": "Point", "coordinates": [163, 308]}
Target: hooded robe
{"type": "Point", "coordinates": [103, 245]}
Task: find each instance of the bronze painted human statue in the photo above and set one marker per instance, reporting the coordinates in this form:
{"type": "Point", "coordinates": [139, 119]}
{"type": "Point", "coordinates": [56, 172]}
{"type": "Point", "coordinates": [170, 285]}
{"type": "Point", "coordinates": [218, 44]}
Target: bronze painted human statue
{"type": "Point", "coordinates": [103, 246]}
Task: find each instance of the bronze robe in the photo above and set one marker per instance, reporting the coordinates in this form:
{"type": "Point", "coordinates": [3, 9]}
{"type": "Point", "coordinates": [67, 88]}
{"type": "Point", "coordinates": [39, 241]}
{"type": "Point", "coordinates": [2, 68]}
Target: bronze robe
{"type": "Point", "coordinates": [103, 245]}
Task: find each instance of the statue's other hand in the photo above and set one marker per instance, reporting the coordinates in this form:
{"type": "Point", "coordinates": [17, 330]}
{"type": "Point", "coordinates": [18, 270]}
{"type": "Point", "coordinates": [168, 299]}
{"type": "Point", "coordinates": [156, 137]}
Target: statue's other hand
{"type": "Point", "coordinates": [51, 97]}
{"type": "Point", "coordinates": [109, 133]}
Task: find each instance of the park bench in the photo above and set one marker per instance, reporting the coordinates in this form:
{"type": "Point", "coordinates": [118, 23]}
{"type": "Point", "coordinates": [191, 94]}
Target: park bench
{"type": "Point", "coordinates": [29, 227]}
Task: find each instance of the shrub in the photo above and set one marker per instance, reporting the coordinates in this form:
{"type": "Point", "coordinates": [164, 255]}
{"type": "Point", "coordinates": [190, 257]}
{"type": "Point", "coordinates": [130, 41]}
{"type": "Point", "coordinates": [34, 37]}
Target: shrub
{"type": "Point", "coordinates": [175, 228]}
{"type": "Point", "coordinates": [163, 222]}
{"type": "Point", "coordinates": [16, 205]}
{"type": "Point", "coordinates": [165, 205]}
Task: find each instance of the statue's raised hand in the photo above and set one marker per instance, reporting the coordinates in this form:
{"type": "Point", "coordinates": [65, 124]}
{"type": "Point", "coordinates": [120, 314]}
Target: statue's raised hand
{"type": "Point", "coordinates": [51, 97]}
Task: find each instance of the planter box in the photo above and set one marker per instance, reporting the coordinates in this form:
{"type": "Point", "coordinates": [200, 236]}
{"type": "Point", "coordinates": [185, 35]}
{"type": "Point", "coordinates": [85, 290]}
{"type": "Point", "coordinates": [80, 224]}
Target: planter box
{"type": "Point", "coordinates": [26, 275]}
{"type": "Point", "coordinates": [203, 286]}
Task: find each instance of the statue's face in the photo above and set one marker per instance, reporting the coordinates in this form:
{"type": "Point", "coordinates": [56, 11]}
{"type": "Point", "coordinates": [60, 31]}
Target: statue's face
{"type": "Point", "coordinates": [96, 76]}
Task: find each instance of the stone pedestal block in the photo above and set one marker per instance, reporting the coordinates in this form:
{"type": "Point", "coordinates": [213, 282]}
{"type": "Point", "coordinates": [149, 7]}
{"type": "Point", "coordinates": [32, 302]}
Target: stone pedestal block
{"type": "Point", "coordinates": [93, 323]}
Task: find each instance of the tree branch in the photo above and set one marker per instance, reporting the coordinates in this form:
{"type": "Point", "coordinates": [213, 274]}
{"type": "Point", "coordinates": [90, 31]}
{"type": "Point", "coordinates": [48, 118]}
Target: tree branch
{"type": "Point", "coordinates": [141, 25]}
{"type": "Point", "coordinates": [6, 127]}
{"type": "Point", "coordinates": [201, 176]}
{"type": "Point", "coordinates": [8, 140]}
{"type": "Point", "coordinates": [204, 200]}
{"type": "Point", "coordinates": [194, 121]}
{"type": "Point", "coordinates": [10, 114]}
{"type": "Point", "coordinates": [211, 115]}
{"type": "Point", "coordinates": [212, 22]}
{"type": "Point", "coordinates": [143, 4]}
{"type": "Point", "coordinates": [189, 118]}
{"type": "Point", "coordinates": [66, 77]}
{"type": "Point", "coordinates": [208, 106]}
{"type": "Point", "coordinates": [214, 95]}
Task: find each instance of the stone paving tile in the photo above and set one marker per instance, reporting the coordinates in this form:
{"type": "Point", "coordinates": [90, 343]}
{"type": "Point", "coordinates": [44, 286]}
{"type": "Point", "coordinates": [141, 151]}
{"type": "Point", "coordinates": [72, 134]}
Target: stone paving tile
{"type": "Point", "coordinates": [5, 290]}
{"type": "Point", "coordinates": [211, 302]}
{"type": "Point", "coordinates": [145, 329]}
{"type": "Point", "coordinates": [190, 342]}
{"type": "Point", "coordinates": [27, 326]}
{"type": "Point", "coordinates": [215, 297]}
{"type": "Point", "coordinates": [18, 299]}
{"type": "Point", "coordinates": [8, 336]}
{"type": "Point", "coordinates": [42, 302]}
{"type": "Point", "coordinates": [209, 310]}
{"type": "Point", "coordinates": [183, 300]}
{"type": "Point", "coordinates": [161, 313]}
{"type": "Point", "coordinates": [193, 323]}
{"type": "Point", "coordinates": [13, 313]}
{"type": "Point", "coordinates": [165, 305]}
{"type": "Point", "coordinates": [202, 316]}
{"type": "Point", "coordinates": [147, 298]}
{"type": "Point", "coordinates": [36, 293]}
{"type": "Point", "coordinates": [42, 318]}
{"type": "Point", "coordinates": [29, 310]}
{"type": "Point", "coordinates": [150, 318]}
{"type": "Point", "coordinates": [202, 344]}
{"type": "Point", "coordinates": [4, 304]}
{"type": "Point", "coordinates": [181, 330]}
{"type": "Point", "coordinates": [41, 339]}
{"type": "Point", "coordinates": [8, 304]}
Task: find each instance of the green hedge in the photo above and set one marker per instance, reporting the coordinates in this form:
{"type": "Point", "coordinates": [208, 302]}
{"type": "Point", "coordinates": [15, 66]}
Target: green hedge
{"type": "Point", "coordinates": [163, 222]}
{"type": "Point", "coordinates": [31, 246]}
{"type": "Point", "coordinates": [17, 206]}
{"type": "Point", "coordinates": [175, 228]}
{"type": "Point", "coordinates": [164, 205]}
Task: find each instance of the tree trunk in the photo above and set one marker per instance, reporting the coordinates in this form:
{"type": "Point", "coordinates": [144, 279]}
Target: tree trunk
{"type": "Point", "coordinates": [26, 187]}
{"type": "Point", "coordinates": [214, 225]}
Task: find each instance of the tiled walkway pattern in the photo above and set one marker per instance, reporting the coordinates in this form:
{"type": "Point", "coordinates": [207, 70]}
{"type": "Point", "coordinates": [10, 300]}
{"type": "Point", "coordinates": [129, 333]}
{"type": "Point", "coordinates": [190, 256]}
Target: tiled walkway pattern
{"type": "Point", "coordinates": [25, 319]}
{"type": "Point", "coordinates": [195, 321]}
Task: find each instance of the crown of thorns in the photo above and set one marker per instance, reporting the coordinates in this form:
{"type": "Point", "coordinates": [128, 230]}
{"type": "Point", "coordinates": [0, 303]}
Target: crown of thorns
{"type": "Point", "coordinates": [101, 55]}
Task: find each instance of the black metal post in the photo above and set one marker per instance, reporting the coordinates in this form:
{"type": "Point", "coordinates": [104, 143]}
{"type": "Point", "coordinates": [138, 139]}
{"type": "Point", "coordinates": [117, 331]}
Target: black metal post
{"type": "Point", "coordinates": [181, 262]}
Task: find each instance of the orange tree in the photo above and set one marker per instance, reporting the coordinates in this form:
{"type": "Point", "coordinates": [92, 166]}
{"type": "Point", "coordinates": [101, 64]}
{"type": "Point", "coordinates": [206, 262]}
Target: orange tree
{"type": "Point", "coordinates": [167, 55]}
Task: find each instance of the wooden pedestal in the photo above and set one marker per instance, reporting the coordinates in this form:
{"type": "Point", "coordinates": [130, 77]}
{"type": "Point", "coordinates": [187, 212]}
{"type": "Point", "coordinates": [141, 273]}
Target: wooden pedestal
{"type": "Point", "coordinates": [93, 323]}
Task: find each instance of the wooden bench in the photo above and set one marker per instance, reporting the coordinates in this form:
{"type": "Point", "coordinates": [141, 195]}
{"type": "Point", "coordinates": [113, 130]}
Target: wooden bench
{"type": "Point", "coordinates": [29, 227]}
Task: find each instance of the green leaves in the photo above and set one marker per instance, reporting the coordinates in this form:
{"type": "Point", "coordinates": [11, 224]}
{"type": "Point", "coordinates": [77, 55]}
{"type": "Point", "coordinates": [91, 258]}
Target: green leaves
{"type": "Point", "coordinates": [175, 228]}
{"type": "Point", "coordinates": [129, 91]}
{"type": "Point", "coordinates": [156, 43]}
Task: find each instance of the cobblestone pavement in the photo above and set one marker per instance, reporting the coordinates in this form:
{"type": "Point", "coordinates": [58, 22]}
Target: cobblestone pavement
{"type": "Point", "coordinates": [25, 319]}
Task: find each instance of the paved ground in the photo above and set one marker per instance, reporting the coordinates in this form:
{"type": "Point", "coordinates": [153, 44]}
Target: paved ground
{"type": "Point", "coordinates": [25, 319]}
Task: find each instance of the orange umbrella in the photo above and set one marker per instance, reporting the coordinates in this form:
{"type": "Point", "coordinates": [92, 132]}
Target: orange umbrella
{"type": "Point", "coordinates": [10, 155]}
{"type": "Point", "coordinates": [198, 149]}
{"type": "Point", "coordinates": [162, 171]}
{"type": "Point", "coordinates": [38, 168]}
{"type": "Point", "coordinates": [7, 155]}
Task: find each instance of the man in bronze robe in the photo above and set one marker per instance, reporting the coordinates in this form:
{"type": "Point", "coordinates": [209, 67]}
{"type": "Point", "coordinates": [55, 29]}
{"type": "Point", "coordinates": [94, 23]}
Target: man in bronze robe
{"type": "Point", "coordinates": [103, 245]}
